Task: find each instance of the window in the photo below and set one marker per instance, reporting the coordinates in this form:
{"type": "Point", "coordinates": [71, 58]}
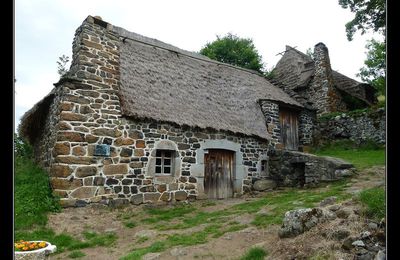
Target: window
{"type": "Point", "coordinates": [164, 161]}
{"type": "Point", "coordinates": [264, 167]}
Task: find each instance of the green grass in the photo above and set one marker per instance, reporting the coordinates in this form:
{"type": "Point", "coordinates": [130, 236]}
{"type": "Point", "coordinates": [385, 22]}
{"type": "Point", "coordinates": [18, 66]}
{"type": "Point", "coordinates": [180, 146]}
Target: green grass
{"type": "Point", "coordinates": [374, 201]}
{"type": "Point", "coordinates": [129, 224]}
{"type": "Point", "coordinates": [361, 156]}
{"type": "Point", "coordinates": [255, 253]}
{"type": "Point", "coordinates": [167, 214]}
{"type": "Point", "coordinates": [65, 241]}
{"type": "Point", "coordinates": [33, 198]}
{"type": "Point", "coordinates": [76, 254]}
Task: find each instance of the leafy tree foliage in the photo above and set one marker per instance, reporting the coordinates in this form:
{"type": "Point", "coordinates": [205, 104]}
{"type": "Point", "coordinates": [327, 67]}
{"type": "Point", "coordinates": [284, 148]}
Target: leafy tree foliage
{"type": "Point", "coordinates": [62, 63]}
{"type": "Point", "coordinates": [369, 14]}
{"type": "Point", "coordinates": [234, 50]}
{"type": "Point", "coordinates": [374, 71]}
{"type": "Point", "coordinates": [21, 147]}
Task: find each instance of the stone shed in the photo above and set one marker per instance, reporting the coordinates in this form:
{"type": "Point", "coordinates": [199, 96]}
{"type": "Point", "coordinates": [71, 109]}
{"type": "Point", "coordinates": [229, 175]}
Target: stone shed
{"type": "Point", "coordinates": [313, 83]}
{"type": "Point", "coordinates": [138, 120]}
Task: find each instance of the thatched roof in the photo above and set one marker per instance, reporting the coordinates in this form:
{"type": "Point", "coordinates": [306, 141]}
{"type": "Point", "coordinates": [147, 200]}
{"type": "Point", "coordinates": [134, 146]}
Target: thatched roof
{"type": "Point", "coordinates": [164, 83]}
{"type": "Point", "coordinates": [34, 119]}
{"type": "Point", "coordinates": [296, 69]}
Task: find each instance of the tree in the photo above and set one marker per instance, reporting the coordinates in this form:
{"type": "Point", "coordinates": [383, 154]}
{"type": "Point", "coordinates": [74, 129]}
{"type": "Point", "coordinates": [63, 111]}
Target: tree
{"type": "Point", "coordinates": [369, 14]}
{"type": "Point", "coordinates": [374, 71]}
{"type": "Point", "coordinates": [62, 70]}
{"type": "Point", "coordinates": [234, 50]}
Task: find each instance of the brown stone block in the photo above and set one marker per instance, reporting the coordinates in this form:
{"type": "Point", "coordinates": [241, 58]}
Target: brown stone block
{"type": "Point", "coordinates": [84, 171]}
{"type": "Point", "coordinates": [76, 99]}
{"type": "Point", "coordinates": [91, 138]}
{"type": "Point", "coordinates": [123, 141]}
{"type": "Point", "coordinates": [60, 171]}
{"type": "Point", "coordinates": [109, 70]}
{"type": "Point", "coordinates": [64, 184]}
{"type": "Point", "coordinates": [279, 146]}
{"type": "Point", "coordinates": [70, 136]}
{"type": "Point", "coordinates": [151, 197]}
{"type": "Point", "coordinates": [85, 109]}
{"type": "Point", "coordinates": [165, 196]}
{"type": "Point", "coordinates": [69, 116]}
{"type": "Point", "coordinates": [180, 195]}
{"type": "Point", "coordinates": [61, 149]}
{"type": "Point", "coordinates": [136, 165]}
{"type": "Point", "coordinates": [90, 93]}
{"type": "Point", "coordinates": [92, 44]}
{"type": "Point", "coordinates": [81, 129]}
{"type": "Point", "coordinates": [63, 126]}
{"type": "Point", "coordinates": [64, 106]}
{"type": "Point", "coordinates": [74, 160]}
{"type": "Point", "coordinates": [140, 144]}
{"type": "Point", "coordinates": [107, 132]}
{"type": "Point", "coordinates": [139, 152]}
{"type": "Point", "coordinates": [135, 134]}
{"type": "Point", "coordinates": [161, 187]}
{"type": "Point", "coordinates": [79, 150]}
{"type": "Point", "coordinates": [114, 169]}
{"type": "Point", "coordinates": [83, 192]}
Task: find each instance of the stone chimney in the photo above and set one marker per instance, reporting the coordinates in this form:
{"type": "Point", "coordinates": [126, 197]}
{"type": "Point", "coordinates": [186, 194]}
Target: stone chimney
{"type": "Point", "coordinates": [326, 98]}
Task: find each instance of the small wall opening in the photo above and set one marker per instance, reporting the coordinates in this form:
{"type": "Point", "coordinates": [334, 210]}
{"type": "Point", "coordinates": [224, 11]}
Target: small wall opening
{"type": "Point", "coordinates": [298, 171]}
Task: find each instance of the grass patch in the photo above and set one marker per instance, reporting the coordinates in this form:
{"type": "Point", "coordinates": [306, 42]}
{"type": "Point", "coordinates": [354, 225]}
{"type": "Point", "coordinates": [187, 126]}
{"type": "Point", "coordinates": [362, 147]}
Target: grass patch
{"type": "Point", "coordinates": [374, 202]}
{"type": "Point", "coordinates": [167, 214]}
{"type": "Point", "coordinates": [129, 224]}
{"type": "Point", "coordinates": [33, 198]}
{"type": "Point", "coordinates": [208, 203]}
{"type": "Point", "coordinates": [65, 241]}
{"type": "Point", "coordinates": [362, 156]}
{"type": "Point", "coordinates": [256, 253]}
{"type": "Point", "coordinates": [76, 254]}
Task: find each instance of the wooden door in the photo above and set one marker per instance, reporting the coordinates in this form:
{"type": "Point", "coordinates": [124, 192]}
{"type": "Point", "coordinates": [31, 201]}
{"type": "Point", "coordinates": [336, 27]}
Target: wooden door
{"type": "Point", "coordinates": [218, 176]}
{"type": "Point", "coordinates": [289, 129]}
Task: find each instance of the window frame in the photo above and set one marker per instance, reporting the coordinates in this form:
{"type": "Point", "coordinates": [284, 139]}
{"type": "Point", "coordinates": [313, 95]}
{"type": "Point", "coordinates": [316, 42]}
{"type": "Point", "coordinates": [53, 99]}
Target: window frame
{"type": "Point", "coordinates": [163, 157]}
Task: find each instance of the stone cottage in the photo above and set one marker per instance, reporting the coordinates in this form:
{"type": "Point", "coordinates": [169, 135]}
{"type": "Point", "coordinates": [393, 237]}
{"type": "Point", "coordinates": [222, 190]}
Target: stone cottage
{"type": "Point", "coordinates": [138, 120]}
{"type": "Point", "coordinates": [313, 83]}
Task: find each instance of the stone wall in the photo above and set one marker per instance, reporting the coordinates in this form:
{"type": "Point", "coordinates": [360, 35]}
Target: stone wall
{"type": "Point", "coordinates": [127, 174]}
{"type": "Point", "coordinates": [307, 120]}
{"type": "Point", "coordinates": [358, 127]}
{"type": "Point", "coordinates": [271, 112]}
{"type": "Point", "coordinates": [296, 169]}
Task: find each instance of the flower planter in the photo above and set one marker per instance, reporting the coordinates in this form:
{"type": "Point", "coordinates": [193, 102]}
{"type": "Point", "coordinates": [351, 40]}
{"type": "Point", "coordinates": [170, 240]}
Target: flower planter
{"type": "Point", "coordinates": [38, 254]}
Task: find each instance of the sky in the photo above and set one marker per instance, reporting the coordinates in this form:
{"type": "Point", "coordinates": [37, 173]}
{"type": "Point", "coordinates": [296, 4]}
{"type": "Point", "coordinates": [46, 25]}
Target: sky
{"type": "Point", "coordinates": [44, 31]}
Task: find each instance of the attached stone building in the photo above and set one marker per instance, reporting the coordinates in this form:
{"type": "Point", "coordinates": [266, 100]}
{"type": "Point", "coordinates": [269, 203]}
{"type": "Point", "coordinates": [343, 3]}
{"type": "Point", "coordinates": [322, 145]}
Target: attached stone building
{"type": "Point", "coordinates": [313, 83]}
{"type": "Point", "coordinates": [138, 120]}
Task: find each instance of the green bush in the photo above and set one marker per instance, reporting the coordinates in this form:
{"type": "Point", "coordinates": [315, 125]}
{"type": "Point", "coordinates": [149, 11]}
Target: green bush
{"type": "Point", "coordinates": [256, 253]}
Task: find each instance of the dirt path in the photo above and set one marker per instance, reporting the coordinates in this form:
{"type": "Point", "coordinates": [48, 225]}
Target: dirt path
{"type": "Point", "coordinates": [231, 245]}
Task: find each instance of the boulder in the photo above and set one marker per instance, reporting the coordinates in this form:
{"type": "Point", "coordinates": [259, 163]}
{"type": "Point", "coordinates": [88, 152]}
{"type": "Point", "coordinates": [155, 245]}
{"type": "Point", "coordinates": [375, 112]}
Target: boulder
{"type": "Point", "coordinates": [262, 185]}
{"type": "Point", "coordinates": [298, 221]}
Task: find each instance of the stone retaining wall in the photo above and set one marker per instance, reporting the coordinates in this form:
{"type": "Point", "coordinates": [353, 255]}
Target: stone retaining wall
{"type": "Point", "coordinates": [359, 128]}
{"type": "Point", "coordinates": [297, 169]}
